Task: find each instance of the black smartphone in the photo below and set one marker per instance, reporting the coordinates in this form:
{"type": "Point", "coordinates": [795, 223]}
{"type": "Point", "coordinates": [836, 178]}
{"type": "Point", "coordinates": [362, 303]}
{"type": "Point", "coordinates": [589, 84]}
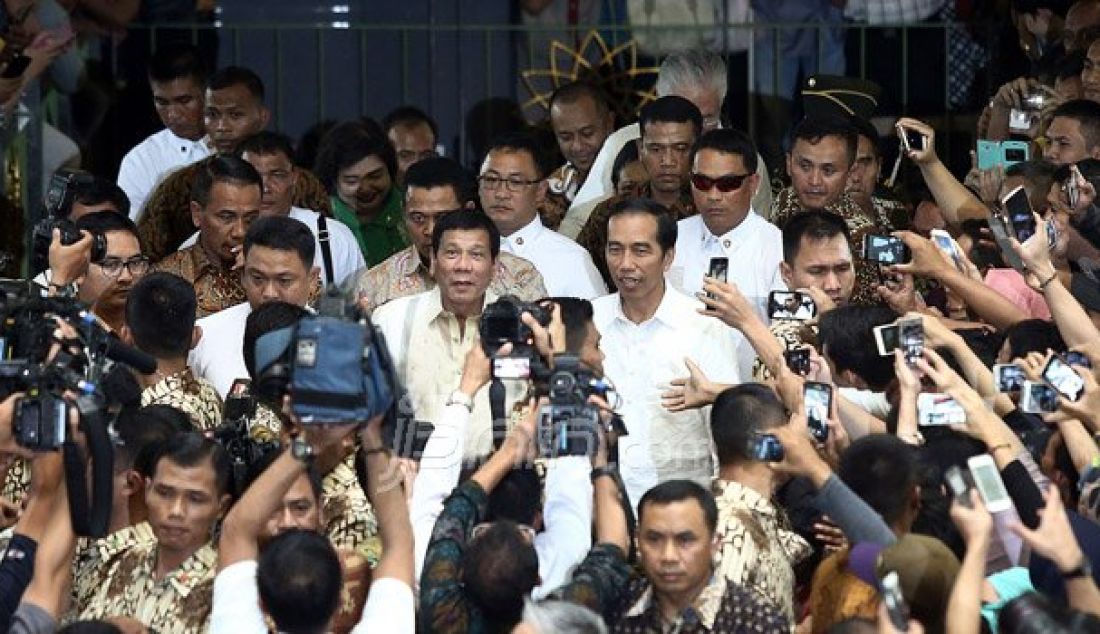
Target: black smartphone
{"type": "Point", "coordinates": [719, 270]}
{"type": "Point", "coordinates": [911, 339]}
{"type": "Point", "coordinates": [1060, 375]}
{"type": "Point", "coordinates": [16, 67]}
{"type": "Point", "coordinates": [914, 140]}
{"type": "Point", "coordinates": [1077, 358]}
{"type": "Point", "coordinates": [885, 249]}
{"type": "Point", "coordinates": [1019, 213]}
{"type": "Point", "coordinates": [798, 360]}
{"type": "Point", "coordinates": [896, 607]}
{"type": "Point", "coordinates": [765, 448]}
{"type": "Point", "coordinates": [958, 485]}
{"type": "Point", "coordinates": [817, 398]}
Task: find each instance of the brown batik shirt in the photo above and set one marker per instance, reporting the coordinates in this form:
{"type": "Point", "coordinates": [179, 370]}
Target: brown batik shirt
{"type": "Point", "coordinates": [196, 397]}
{"type": "Point", "coordinates": [215, 288]}
{"type": "Point", "coordinates": [593, 236]}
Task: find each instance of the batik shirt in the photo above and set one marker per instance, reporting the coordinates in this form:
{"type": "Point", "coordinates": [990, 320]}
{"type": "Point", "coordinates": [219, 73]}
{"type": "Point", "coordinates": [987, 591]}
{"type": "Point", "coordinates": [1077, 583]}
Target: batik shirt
{"type": "Point", "coordinates": [593, 236]}
{"type": "Point", "coordinates": [405, 274]}
{"type": "Point", "coordinates": [785, 207]}
{"type": "Point", "coordinates": [722, 607]}
{"type": "Point", "coordinates": [124, 586]}
{"type": "Point", "coordinates": [215, 288]}
{"type": "Point", "coordinates": [196, 397]}
{"type": "Point", "coordinates": [758, 548]}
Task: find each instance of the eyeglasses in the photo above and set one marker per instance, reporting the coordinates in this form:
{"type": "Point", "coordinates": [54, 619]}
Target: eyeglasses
{"type": "Point", "coordinates": [419, 218]}
{"type": "Point", "coordinates": [112, 267]}
{"type": "Point", "coordinates": [514, 184]}
{"type": "Point", "coordinates": [725, 184]}
{"type": "Point", "coordinates": [526, 531]}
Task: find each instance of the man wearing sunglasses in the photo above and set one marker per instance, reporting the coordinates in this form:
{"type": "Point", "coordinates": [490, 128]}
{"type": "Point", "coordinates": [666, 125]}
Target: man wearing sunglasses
{"type": "Point", "coordinates": [435, 187]}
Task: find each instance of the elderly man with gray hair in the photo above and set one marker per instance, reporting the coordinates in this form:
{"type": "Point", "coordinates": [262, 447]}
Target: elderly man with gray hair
{"type": "Point", "coordinates": [696, 75]}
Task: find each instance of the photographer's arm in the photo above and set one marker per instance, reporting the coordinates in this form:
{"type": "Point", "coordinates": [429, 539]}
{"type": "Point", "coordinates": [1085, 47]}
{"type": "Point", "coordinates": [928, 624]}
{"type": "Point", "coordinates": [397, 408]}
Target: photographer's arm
{"type": "Point", "coordinates": [68, 262]}
{"type": "Point", "coordinates": [725, 302]}
{"type": "Point", "coordinates": [49, 589]}
{"type": "Point", "coordinates": [387, 495]}
{"type": "Point", "coordinates": [241, 529]}
{"type": "Point", "coordinates": [955, 201]}
{"type": "Point", "coordinates": [963, 605]}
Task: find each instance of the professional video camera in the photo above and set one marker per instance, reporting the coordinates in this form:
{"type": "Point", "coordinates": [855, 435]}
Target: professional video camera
{"type": "Point", "coordinates": [500, 323]}
{"type": "Point", "coordinates": [233, 434]}
{"type": "Point", "coordinates": [60, 194]}
{"type": "Point", "coordinates": [568, 425]}
{"type": "Point", "coordinates": [335, 366]}
{"type": "Point", "coordinates": [49, 378]}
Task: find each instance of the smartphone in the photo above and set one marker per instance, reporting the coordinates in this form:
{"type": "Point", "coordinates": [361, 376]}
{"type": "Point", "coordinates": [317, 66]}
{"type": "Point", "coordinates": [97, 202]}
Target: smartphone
{"type": "Point", "coordinates": [896, 607]}
{"type": "Point", "coordinates": [987, 479]}
{"type": "Point", "coordinates": [791, 305]}
{"type": "Point", "coordinates": [15, 67]}
{"type": "Point", "coordinates": [885, 249]}
{"type": "Point", "coordinates": [998, 226]}
{"type": "Point", "coordinates": [1052, 234]}
{"type": "Point", "coordinates": [911, 339]}
{"type": "Point", "coordinates": [1018, 210]}
{"type": "Point", "coordinates": [958, 485]}
{"type": "Point", "coordinates": [938, 409]}
{"type": "Point", "coordinates": [1020, 121]}
{"type": "Point", "coordinates": [886, 338]}
{"type": "Point", "coordinates": [719, 270]}
{"type": "Point", "coordinates": [1008, 377]}
{"type": "Point", "coordinates": [817, 398]}
{"type": "Point", "coordinates": [511, 368]}
{"type": "Point", "coordinates": [765, 448]}
{"type": "Point", "coordinates": [1073, 194]}
{"type": "Point", "coordinates": [1038, 398]}
{"type": "Point", "coordinates": [910, 139]}
{"type": "Point", "coordinates": [798, 360]}
{"type": "Point", "coordinates": [1060, 375]}
{"type": "Point", "coordinates": [945, 243]}
{"type": "Point", "coordinates": [1004, 153]}
{"type": "Point", "coordinates": [1077, 358]}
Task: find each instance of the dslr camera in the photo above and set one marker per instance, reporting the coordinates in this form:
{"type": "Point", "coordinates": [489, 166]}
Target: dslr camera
{"type": "Point", "coordinates": [233, 434]}
{"type": "Point", "coordinates": [569, 425]}
{"type": "Point", "coordinates": [500, 323]}
{"type": "Point", "coordinates": [60, 195]}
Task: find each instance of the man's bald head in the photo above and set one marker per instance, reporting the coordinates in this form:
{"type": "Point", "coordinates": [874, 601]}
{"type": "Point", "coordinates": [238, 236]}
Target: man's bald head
{"type": "Point", "coordinates": [1083, 15]}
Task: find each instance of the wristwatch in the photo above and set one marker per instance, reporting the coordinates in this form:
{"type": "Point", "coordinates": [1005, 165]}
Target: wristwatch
{"type": "Point", "coordinates": [1083, 569]}
{"type": "Point", "coordinates": [458, 397]}
{"type": "Point", "coordinates": [605, 470]}
{"type": "Point", "coordinates": [302, 451]}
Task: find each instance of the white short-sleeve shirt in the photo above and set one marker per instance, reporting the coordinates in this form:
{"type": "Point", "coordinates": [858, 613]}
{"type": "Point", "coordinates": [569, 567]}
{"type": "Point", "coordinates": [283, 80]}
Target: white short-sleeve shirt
{"type": "Point", "coordinates": [149, 162]}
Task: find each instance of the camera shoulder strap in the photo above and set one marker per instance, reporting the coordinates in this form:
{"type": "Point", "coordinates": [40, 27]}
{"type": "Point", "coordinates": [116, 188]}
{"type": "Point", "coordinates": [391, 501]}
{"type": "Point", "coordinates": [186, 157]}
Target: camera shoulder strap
{"type": "Point", "coordinates": [326, 252]}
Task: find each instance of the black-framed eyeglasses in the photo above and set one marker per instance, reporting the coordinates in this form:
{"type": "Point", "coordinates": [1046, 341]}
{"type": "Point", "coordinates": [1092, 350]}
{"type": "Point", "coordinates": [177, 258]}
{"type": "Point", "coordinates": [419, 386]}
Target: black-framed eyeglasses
{"type": "Point", "coordinates": [112, 267]}
{"type": "Point", "coordinates": [725, 184]}
{"type": "Point", "coordinates": [514, 184]}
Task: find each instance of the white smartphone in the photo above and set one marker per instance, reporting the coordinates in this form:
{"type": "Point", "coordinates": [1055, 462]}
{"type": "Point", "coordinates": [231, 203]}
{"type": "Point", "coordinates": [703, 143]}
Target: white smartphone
{"type": "Point", "coordinates": [987, 479]}
{"type": "Point", "coordinates": [886, 338]}
{"type": "Point", "coordinates": [939, 409]}
{"type": "Point", "coordinates": [1038, 398]}
{"type": "Point", "coordinates": [1008, 377]}
{"type": "Point", "coordinates": [945, 243]}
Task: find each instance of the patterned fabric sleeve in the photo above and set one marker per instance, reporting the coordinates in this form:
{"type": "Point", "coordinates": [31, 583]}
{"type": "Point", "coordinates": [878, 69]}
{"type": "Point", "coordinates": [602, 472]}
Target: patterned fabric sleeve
{"type": "Point", "coordinates": [599, 582]}
{"type": "Point", "coordinates": [1089, 503]}
{"type": "Point", "coordinates": [443, 606]}
{"type": "Point", "coordinates": [593, 237]}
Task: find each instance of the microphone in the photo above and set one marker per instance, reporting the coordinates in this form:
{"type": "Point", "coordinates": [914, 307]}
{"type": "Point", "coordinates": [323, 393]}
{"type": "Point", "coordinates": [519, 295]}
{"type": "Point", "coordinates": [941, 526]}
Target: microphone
{"type": "Point", "coordinates": [131, 356]}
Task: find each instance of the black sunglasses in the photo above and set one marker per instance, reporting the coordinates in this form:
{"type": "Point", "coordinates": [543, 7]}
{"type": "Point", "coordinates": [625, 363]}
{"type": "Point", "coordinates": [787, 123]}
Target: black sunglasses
{"type": "Point", "coordinates": [725, 184]}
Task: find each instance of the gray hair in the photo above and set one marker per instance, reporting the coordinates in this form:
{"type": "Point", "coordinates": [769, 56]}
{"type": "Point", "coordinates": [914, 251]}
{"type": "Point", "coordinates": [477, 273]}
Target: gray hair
{"type": "Point", "coordinates": [561, 616]}
{"type": "Point", "coordinates": [692, 69]}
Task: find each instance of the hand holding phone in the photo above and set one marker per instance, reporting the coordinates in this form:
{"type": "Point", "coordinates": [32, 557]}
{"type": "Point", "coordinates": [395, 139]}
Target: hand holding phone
{"type": "Point", "coordinates": [885, 249]}
{"type": "Point", "coordinates": [1061, 376]}
{"type": "Point", "coordinates": [1038, 398]}
{"type": "Point", "coordinates": [798, 360]}
{"type": "Point", "coordinates": [719, 270]}
{"type": "Point", "coordinates": [791, 305]}
{"type": "Point", "coordinates": [987, 479]}
{"type": "Point", "coordinates": [894, 601]}
{"type": "Point", "coordinates": [817, 398]}
{"type": "Point", "coordinates": [1020, 216]}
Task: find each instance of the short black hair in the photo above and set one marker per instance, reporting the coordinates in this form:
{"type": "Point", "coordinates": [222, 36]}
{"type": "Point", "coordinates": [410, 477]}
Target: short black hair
{"type": "Point", "coordinates": [576, 314]}
{"type": "Point", "coordinates": [671, 491]}
{"type": "Point", "coordinates": [160, 313]}
{"type": "Point", "coordinates": [1038, 177]}
{"type": "Point", "coordinates": [670, 109]}
{"type": "Point", "coordinates": [257, 468]}
{"type": "Point", "coordinates": [738, 414]}
{"type": "Point", "coordinates": [98, 191]}
{"type": "Point", "coordinates": [627, 155]}
{"type": "Point", "coordinates": [881, 469]}
{"type": "Point", "coordinates": [728, 141]}
{"type": "Point", "coordinates": [191, 449]}
{"type": "Point", "coordinates": [90, 627]}
{"type": "Point", "coordinates": [847, 338]}
{"type": "Point", "coordinates": [237, 76]}
{"type": "Point", "coordinates": [222, 169]}
{"type": "Point", "coordinates": [263, 319]}
{"type": "Point", "coordinates": [177, 61]}
{"type": "Point", "coordinates": [815, 224]}
{"type": "Point", "coordinates": [1033, 335]}
{"type": "Point", "coordinates": [499, 570]}
{"type": "Point", "coordinates": [666, 225]}
{"type": "Point", "coordinates": [813, 129]}
{"type": "Point", "coordinates": [282, 233]}
{"type": "Point", "coordinates": [466, 220]}
{"type": "Point", "coordinates": [523, 141]}
{"type": "Point", "coordinates": [575, 91]}
{"type": "Point", "coordinates": [299, 579]}
{"type": "Point", "coordinates": [409, 116]}
{"type": "Point", "coordinates": [518, 497]}
{"type": "Point", "coordinates": [140, 429]}
{"type": "Point", "coordinates": [265, 143]}
{"type": "Point", "coordinates": [865, 129]}
{"type": "Point", "coordinates": [440, 171]}
{"type": "Point", "coordinates": [1086, 112]}
{"type": "Point", "coordinates": [102, 222]}
{"type": "Point", "coordinates": [348, 143]}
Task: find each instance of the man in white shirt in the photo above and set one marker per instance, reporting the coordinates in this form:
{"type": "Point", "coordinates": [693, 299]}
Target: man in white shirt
{"type": "Point", "coordinates": [429, 334]}
{"type": "Point", "coordinates": [511, 185]}
{"type": "Point", "coordinates": [177, 76]}
{"type": "Point", "coordinates": [722, 182]}
{"type": "Point", "coordinates": [272, 155]}
{"type": "Point", "coordinates": [648, 331]}
{"type": "Point", "coordinates": [278, 266]}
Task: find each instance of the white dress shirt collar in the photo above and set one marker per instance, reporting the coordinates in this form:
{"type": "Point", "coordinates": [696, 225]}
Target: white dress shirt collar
{"type": "Point", "coordinates": [671, 311]}
{"type": "Point", "coordinates": [730, 239]}
{"type": "Point", "coordinates": [523, 238]}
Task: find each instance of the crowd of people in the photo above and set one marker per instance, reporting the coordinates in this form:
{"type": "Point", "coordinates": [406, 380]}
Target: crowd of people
{"type": "Point", "coordinates": [814, 408]}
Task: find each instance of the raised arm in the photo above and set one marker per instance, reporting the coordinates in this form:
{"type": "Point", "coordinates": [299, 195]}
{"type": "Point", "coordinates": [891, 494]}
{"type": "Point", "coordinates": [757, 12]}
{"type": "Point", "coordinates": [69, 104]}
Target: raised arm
{"type": "Point", "coordinates": [954, 199]}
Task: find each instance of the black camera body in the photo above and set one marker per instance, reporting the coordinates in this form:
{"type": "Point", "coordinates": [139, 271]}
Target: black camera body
{"type": "Point", "coordinates": [569, 424]}
{"type": "Point", "coordinates": [41, 422]}
{"type": "Point", "coordinates": [233, 435]}
{"type": "Point", "coordinates": [500, 323]}
{"type": "Point", "coordinates": [60, 195]}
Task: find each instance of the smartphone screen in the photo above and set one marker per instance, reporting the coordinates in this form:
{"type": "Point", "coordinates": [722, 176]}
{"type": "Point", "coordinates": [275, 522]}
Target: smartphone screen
{"type": "Point", "coordinates": [798, 360]}
{"type": "Point", "coordinates": [988, 481]}
{"type": "Point", "coordinates": [911, 339]}
{"type": "Point", "coordinates": [511, 368]}
{"type": "Point", "coordinates": [885, 249]}
{"type": "Point", "coordinates": [818, 400]}
{"type": "Point", "coordinates": [886, 337]}
{"type": "Point", "coordinates": [1062, 377]}
{"type": "Point", "coordinates": [947, 245]}
{"type": "Point", "coordinates": [719, 269]}
{"type": "Point", "coordinates": [1038, 398]}
{"type": "Point", "coordinates": [791, 305]}
{"type": "Point", "coordinates": [958, 485]}
{"type": "Point", "coordinates": [1020, 217]}
{"type": "Point", "coordinates": [1077, 358]}
{"type": "Point", "coordinates": [1008, 377]}
{"type": "Point", "coordinates": [939, 409]}
{"type": "Point", "coordinates": [896, 607]}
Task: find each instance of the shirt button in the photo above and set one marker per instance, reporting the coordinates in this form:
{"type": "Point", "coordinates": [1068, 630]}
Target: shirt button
{"type": "Point", "coordinates": [726, 243]}
{"type": "Point", "coordinates": [519, 241]}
